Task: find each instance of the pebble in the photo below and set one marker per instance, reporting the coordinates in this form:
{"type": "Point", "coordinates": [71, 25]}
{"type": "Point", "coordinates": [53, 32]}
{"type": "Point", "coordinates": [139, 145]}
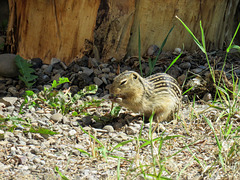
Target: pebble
{"type": "Point", "coordinates": [185, 65]}
{"type": "Point", "coordinates": [36, 63]}
{"type": "Point", "coordinates": [56, 117]}
{"type": "Point", "coordinates": [56, 77]}
{"type": "Point", "coordinates": [207, 97]}
{"type": "Point", "coordinates": [177, 50]}
{"type": "Point", "coordinates": [131, 130]}
{"type": "Point", "coordinates": [8, 67]}
{"type": "Point", "coordinates": [8, 101]}
{"type": "Point", "coordinates": [13, 91]}
{"type": "Point", "coordinates": [104, 80]}
{"type": "Point", "coordinates": [86, 120]}
{"type": "Point", "coordinates": [109, 128]}
{"type": "Point", "coordinates": [48, 69]}
{"type": "Point", "coordinates": [55, 61]}
{"type": "Point", "coordinates": [87, 71]}
{"type": "Point", "coordinates": [152, 50]}
{"type": "Point", "coordinates": [197, 70]}
{"type": "Point", "coordinates": [72, 132]}
{"type": "Point", "coordinates": [97, 81]}
{"type": "Point", "coordinates": [106, 70]}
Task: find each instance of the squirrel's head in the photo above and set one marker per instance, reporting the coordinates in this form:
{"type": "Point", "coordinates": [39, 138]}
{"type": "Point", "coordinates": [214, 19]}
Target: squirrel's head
{"type": "Point", "coordinates": [126, 84]}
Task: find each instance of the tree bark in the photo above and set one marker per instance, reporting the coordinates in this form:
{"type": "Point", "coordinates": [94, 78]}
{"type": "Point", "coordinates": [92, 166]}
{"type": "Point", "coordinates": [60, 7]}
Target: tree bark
{"type": "Point", "coordinates": [49, 28]}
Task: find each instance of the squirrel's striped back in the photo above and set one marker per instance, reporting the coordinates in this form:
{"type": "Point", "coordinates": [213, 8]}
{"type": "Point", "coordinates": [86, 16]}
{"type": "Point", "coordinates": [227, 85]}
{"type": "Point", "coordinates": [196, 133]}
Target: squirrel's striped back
{"type": "Point", "coordinates": [164, 83]}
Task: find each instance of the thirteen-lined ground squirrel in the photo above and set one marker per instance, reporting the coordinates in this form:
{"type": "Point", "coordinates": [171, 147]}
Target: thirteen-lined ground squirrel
{"type": "Point", "coordinates": [159, 93]}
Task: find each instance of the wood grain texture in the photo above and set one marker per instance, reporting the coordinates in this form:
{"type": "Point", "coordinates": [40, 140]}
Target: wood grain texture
{"type": "Point", "coordinates": [156, 17]}
{"type": "Point", "coordinates": [50, 28]}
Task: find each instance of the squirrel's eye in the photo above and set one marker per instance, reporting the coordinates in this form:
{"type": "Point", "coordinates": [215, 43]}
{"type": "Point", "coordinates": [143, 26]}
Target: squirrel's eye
{"type": "Point", "coordinates": [123, 82]}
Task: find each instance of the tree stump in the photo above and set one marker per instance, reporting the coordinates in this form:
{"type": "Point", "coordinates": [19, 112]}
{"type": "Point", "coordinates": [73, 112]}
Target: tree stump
{"type": "Point", "coordinates": [66, 28]}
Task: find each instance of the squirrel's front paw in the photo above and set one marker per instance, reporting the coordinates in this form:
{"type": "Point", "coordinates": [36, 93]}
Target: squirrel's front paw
{"type": "Point", "coordinates": [115, 98]}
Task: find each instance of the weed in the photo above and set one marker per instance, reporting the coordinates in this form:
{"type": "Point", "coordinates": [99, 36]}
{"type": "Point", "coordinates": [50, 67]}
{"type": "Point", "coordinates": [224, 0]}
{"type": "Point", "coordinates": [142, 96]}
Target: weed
{"type": "Point", "coordinates": [26, 71]}
{"type": "Point", "coordinates": [153, 168]}
{"type": "Point", "coordinates": [227, 106]}
{"type": "Point", "coordinates": [63, 102]}
{"type": "Point", "coordinates": [60, 174]}
{"type": "Point", "coordinates": [11, 123]}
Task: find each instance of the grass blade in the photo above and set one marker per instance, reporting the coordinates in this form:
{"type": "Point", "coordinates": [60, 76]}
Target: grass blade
{"type": "Point", "coordinates": [203, 37]}
{"type": "Point", "coordinates": [230, 45]}
{"type": "Point", "coordinates": [173, 62]}
{"type": "Point", "coordinates": [193, 36]}
{"type": "Point", "coordinates": [211, 126]}
{"type": "Point", "coordinates": [118, 169]}
{"type": "Point", "coordinates": [94, 138]}
{"type": "Point", "coordinates": [122, 144]}
{"type": "Point", "coordinates": [84, 152]}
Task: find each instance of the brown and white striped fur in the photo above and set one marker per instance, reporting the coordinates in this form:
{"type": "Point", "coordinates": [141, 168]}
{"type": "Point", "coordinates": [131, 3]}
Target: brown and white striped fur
{"type": "Point", "coordinates": [159, 93]}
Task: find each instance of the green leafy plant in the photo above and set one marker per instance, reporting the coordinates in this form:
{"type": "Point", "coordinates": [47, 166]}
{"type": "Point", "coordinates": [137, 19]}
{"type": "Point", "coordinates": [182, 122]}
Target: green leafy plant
{"type": "Point", "coordinates": [26, 71]}
{"type": "Point", "coordinates": [228, 103]}
{"type": "Point", "coordinates": [153, 169]}
{"type": "Point", "coordinates": [14, 123]}
{"type": "Point", "coordinates": [60, 100]}
{"type": "Point", "coordinates": [10, 123]}
{"type": "Point", "coordinates": [60, 174]}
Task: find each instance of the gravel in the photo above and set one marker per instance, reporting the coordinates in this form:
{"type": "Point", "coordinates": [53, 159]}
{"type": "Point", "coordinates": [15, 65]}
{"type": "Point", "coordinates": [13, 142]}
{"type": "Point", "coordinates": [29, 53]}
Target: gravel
{"type": "Point", "coordinates": [25, 154]}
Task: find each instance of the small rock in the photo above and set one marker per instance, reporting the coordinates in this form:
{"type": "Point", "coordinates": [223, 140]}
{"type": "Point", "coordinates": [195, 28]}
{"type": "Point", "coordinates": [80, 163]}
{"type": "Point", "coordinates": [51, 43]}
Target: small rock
{"type": "Point", "coordinates": [44, 66]}
{"type": "Point", "coordinates": [65, 120]}
{"type": "Point", "coordinates": [181, 79]}
{"type": "Point", "coordinates": [8, 67]}
{"type": "Point", "coordinates": [185, 65]}
{"type": "Point", "coordinates": [104, 80]}
{"type": "Point", "coordinates": [98, 125]}
{"type": "Point", "coordinates": [109, 128]}
{"type": "Point", "coordinates": [55, 61]}
{"type": "Point", "coordinates": [87, 70]}
{"type": "Point", "coordinates": [8, 101]}
{"type": "Point", "coordinates": [207, 97]}
{"type": "Point", "coordinates": [174, 71]}
{"type": "Point", "coordinates": [72, 132]}
{"type": "Point", "coordinates": [63, 65]}
{"type": "Point", "coordinates": [197, 70]}
{"type": "Point", "coordinates": [103, 65]}
{"type": "Point", "coordinates": [117, 125]}
{"type": "Point", "coordinates": [83, 62]}
{"type": "Point", "coordinates": [56, 77]}
{"type": "Point", "coordinates": [36, 63]}
{"type": "Point", "coordinates": [76, 68]}
{"type": "Point", "coordinates": [56, 117]}
{"type": "Point", "coordinates": [93, 62]}
{"type": "Point", "coordinates": [13, 91]}
{"type": "Point", "coordinates": [131, 130]}
{"type": "Point", "coordinates": [87, 120]}
{"type": "Point", "coordinates": [36, 160]}
{"type": "Point", "coordinates": [177, 50]}
{"type": "Point", "coordinates": [106, 70]}
{"type": "Point", "coordinates": [98, 72]}
{"type": "Point", "coordinates": [48, 70]}
{"type": "Point", "coordinates": [97, 81]}
{"type": "Point", "coordinates": [152, 50]}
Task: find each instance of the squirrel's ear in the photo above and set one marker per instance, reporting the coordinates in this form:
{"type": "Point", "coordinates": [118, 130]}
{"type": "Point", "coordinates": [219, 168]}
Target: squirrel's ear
{"type": "Point", "coordinates": [134, 75]}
